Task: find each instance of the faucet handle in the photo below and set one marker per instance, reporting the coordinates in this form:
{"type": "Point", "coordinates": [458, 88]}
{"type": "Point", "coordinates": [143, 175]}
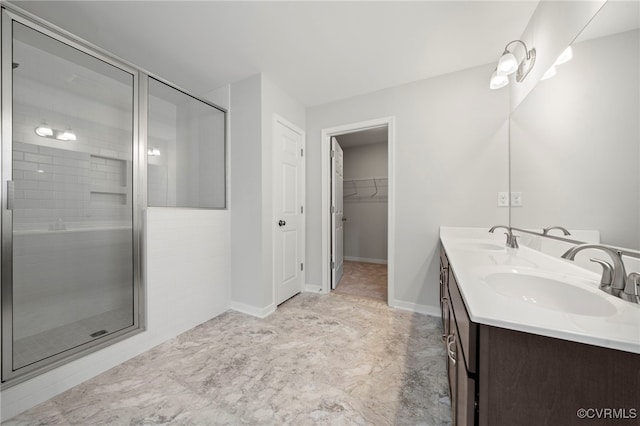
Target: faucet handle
{"type": "Point", "coordinates": [632, 288]}
{"type": "Point", "coordinates": [607, 273]}
{"type": "Point", "coordinates": [512, 240]}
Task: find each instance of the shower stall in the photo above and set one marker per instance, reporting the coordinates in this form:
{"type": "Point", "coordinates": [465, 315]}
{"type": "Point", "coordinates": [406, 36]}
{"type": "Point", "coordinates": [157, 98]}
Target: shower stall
{"type": "Point", "coordinates": [88, 142]}
{"type": "Point", "coordinates": [71, 199]}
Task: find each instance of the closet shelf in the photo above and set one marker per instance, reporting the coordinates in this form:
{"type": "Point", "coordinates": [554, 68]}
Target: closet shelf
{"type": "Point", "coordinates": [372, 188]}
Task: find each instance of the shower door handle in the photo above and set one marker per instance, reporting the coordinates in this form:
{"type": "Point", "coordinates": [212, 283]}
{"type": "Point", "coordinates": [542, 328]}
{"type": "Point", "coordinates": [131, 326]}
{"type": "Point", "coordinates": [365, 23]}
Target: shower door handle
{"type": "Point", "coordinates": [11, 194]}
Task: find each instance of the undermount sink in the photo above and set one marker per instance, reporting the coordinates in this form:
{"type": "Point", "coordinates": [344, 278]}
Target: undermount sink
{"type": "Point", "coordinates": [480, 245]}
{"type": "Point", "coordinates": [549, 293]}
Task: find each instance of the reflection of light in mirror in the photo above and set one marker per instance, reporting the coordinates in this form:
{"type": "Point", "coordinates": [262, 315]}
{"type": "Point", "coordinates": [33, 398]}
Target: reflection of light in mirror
{"type": "Point", "coordinates": [549, 73]}
{"type": "Point", "coordinates": [564, 57]}
{"type": "Point", "coordinates": [44, 130]}
{"type": "Point", "coordinates": [67, 135]}
{"type": "Point", "coordinates": [153, 152]}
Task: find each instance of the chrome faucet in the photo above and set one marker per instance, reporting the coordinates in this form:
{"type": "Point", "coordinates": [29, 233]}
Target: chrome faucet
{"type": "Point", "coordinates": [613, 277]}
{"type": "Point", "coordinates": [545, 231]}
{"type": "Point", "coordinates": [512, 240]}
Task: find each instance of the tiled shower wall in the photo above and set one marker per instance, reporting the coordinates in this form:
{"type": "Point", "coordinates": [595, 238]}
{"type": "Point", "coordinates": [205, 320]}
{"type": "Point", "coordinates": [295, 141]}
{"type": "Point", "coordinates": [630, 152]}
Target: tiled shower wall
{"type": "Point", "coordinates": [72, 217]}
{"type": "Point", "coordinates": [70, 184]}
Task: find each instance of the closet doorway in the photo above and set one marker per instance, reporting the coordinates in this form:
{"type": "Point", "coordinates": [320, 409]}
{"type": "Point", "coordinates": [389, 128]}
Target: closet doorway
{"type": "Point", "coordinates": [359, 213]}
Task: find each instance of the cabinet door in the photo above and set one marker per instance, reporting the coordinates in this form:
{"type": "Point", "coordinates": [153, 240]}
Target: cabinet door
{"type": "Point", "coordinates": [444, 301]}
{"type": "Point", "coordinates": [465, 393]}
{"type": "Point", "coordinates": [452, 369]}
{"type": "Point", "coordinates": [444, 291]}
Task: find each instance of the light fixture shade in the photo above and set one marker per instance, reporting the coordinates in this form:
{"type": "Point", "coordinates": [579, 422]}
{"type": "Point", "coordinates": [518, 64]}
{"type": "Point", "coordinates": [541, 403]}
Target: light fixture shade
{"type": "Point", "coordinates": [67, 135]}
{"type": "Point", "coordinates": [44, 130]}
{"type": "Point", "coordinates": [498, 81]}
{"type": "Point", "coordinates": [564, 57]}
{"type": "Point", "coordinates": [549, 73]}
{"type": "Point", "coordinates": [507, 64]}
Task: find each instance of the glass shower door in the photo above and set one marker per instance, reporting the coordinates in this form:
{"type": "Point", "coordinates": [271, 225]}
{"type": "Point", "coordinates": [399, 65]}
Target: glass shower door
{"type": "Point", "coordinates": [71, 280]}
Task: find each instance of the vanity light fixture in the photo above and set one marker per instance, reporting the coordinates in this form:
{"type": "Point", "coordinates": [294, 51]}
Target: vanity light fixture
{"type": "Point", "coordinates": [508, 64]}
{"type": "Point", "coordinates": [46, 131]}
{"type": "Point", "coordinates": [498, 81]}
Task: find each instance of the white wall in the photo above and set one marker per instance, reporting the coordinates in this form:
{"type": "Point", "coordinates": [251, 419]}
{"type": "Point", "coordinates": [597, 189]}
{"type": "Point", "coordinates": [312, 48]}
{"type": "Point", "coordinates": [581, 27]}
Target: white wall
{"type": "Point", "coordinates": [451, 160]}
{"type": "Point", "coordinates": [254, 101]}
{"type": "Point", "coordinates": [365, 231]}
{"type": "Point", "coordinates": [575, 144]}
{"type": "Point", "coordinates": [187, 283]}
{"type": "Point", "coordinates": [245, 168]}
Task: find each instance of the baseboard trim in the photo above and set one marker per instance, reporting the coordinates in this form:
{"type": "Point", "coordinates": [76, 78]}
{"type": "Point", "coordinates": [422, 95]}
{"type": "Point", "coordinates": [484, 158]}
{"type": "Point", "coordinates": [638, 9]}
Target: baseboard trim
{"type": "Point", "coordinates": [253, 310]}
{"type": "Point", "coordinates": [365, 260]}
{"type": "Point", "coordinates": [312, 288]}
{"type": "Point", "coordinates": [433, 311]}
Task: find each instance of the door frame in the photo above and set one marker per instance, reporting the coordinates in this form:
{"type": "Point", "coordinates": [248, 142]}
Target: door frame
{"type": "Point", "coordinates": [327, 133]}
{"type": "Point", "coordinates": [303, 222]}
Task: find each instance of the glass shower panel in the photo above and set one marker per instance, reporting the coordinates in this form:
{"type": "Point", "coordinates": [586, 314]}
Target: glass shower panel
{"type": "Point", "coordinates": [73, 277]}
{"type": "Point", "coordinates": [186, 150]}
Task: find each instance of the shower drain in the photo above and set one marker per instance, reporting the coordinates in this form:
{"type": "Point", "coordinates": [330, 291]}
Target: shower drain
{"type": "Point", "coordinates": [98, 333]}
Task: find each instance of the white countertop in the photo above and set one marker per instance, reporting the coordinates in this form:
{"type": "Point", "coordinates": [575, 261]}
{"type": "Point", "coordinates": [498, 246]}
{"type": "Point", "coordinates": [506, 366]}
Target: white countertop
{"type": "Point", "coordinates": [616, 327]}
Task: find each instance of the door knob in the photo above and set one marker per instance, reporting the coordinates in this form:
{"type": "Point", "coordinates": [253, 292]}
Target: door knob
{"type": "Point", "coordinates": [281, 223]}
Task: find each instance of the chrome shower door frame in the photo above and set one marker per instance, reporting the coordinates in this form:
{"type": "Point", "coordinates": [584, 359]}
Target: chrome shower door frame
{"type": "Point", "coordinates": [11, 376]}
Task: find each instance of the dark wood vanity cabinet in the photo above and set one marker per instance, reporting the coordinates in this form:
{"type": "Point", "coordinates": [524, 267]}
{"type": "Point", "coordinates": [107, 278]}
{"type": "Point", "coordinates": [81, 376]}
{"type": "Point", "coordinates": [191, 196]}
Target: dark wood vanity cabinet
{"type": "Point", "coordinates": [505, 377]}
{"type": "Point", "coordinates": [459, 337]}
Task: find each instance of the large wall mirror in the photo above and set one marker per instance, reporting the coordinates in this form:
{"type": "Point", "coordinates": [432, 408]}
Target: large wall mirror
{"type": "Point", "coordinates": [575, 139]}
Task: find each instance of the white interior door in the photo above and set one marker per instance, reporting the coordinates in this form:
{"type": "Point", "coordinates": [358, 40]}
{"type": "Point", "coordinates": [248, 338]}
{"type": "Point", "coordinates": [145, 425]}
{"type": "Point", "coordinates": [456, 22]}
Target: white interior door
{"type": "Point", "coordinates": [337, 213]}
{"type": "Point", "coordinates": [288, 188]}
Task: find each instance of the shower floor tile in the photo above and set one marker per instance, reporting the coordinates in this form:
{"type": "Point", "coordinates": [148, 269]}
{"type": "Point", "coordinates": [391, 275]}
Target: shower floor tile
{"type": "Point", "coordinates": [34, 348]}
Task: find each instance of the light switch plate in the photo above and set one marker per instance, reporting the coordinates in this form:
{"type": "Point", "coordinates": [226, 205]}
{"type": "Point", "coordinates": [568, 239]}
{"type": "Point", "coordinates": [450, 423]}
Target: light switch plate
{"type": "Point", "coordinates": [503, 199]}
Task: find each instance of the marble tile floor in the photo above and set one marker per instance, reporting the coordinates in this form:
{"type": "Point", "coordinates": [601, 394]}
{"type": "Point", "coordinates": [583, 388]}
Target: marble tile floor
{"type": "Point", "coordinates": [364, 279]}
{"type": "Point", "coordinates": [318, 360]}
